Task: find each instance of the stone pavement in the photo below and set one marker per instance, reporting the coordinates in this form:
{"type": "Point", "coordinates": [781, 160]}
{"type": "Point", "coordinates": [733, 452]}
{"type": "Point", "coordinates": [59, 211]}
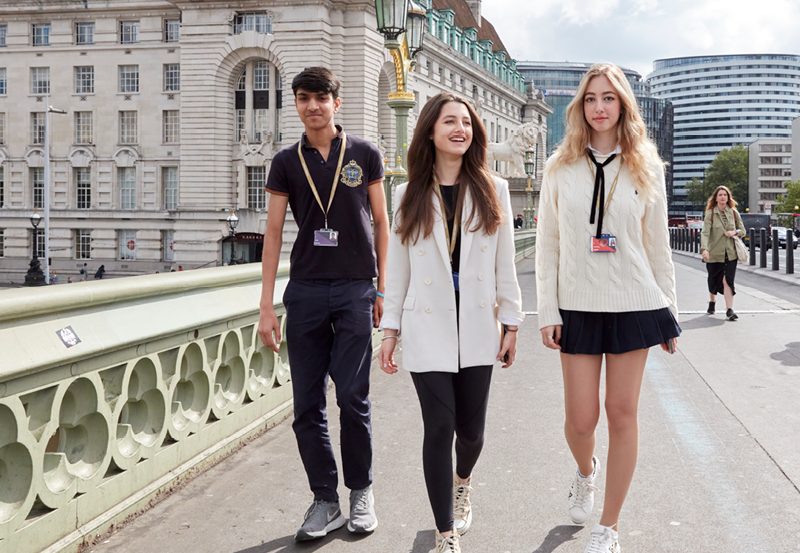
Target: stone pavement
{"type": "Point", "coordinates": [719, 465]}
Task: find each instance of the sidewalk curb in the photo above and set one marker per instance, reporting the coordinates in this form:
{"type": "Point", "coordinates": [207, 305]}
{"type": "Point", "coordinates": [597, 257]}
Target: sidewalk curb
{"type": "Point", "coordinates": [766, 272]}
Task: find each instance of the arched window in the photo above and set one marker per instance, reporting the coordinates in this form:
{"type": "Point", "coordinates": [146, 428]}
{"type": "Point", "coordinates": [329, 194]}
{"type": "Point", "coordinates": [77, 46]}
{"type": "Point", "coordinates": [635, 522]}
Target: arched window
{"type": "Point", "coordinates": [257, 102]}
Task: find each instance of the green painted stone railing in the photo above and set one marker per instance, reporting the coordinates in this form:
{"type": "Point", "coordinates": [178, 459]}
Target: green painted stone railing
{"type": "Point", "coordinates": [114, 392]}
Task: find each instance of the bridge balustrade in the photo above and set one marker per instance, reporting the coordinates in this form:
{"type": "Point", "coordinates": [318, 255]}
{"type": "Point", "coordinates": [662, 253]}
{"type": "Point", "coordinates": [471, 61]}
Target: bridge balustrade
{"type": "Point", "coordinates": [114, 392]}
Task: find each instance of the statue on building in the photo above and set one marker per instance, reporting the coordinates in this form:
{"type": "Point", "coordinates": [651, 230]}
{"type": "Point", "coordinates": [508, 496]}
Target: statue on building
{"type": "Point", "coordinates": [513, 149]}
{"type": "Point", "coordinates": [257, 154]}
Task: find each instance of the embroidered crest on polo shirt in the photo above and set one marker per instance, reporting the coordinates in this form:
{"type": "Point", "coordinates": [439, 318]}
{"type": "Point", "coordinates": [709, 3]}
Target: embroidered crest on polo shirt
{"type": "Point", "coordinates": [351, 174]}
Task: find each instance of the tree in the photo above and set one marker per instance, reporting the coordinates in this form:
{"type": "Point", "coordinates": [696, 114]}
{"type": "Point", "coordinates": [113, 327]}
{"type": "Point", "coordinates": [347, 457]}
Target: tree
{"type": "Point", "coordinates": [786, 202]}
{"type": "Point", "coordinates": [729, 168]}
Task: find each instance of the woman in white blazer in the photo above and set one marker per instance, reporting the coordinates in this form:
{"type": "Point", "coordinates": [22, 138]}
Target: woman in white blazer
{"type": "Point", "coordinates": [451, 282]}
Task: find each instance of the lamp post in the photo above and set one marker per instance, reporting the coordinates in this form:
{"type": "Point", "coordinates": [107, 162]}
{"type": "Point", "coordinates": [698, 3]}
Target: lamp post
{"type": "Point", "coordinates": [402, 24]}
{"type": "Point", "coordinates": [530, 170]}
{"type": "Point", "coordinates": [50, 109]}
{"type": "Point", "coordinates": [232, 221]}
{"type": "Point", "coordinates": [34, 276]}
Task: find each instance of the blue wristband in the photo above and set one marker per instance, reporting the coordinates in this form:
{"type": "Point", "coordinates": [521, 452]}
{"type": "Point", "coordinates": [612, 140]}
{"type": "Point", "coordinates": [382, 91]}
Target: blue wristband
{"type": "Point", "coordinates": [380, 294]}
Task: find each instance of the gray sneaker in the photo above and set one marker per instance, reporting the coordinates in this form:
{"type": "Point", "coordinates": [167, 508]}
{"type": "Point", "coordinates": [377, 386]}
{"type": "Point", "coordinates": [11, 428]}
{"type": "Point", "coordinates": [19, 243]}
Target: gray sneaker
{"type": "Point", "coordinates": [362, 511]}
{"type": "Point", "coordinates": [322, 517]}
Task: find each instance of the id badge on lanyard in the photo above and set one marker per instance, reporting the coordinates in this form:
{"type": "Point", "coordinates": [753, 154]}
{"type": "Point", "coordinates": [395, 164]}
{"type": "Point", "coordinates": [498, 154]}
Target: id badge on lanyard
{"type": "Point", "coordinates": [607, 243]}
{"type": "Point", "coordinates": [324, 237]}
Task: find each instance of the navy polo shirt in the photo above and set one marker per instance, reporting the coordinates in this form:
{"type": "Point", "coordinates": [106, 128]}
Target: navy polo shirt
{"type": "Point", "coordinates": [349, 214]}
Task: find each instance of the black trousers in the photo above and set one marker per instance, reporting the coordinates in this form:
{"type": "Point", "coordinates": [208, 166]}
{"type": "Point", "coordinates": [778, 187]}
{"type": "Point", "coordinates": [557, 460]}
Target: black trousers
{"type": "Point", "coordinates": [329, 332]}
{"type": "Point", "coordinates": [452, 403]}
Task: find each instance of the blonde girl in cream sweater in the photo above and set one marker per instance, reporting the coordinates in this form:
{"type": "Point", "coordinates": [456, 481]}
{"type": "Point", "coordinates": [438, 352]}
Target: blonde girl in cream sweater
{"type": "Point", "coordinates": [605, 282]}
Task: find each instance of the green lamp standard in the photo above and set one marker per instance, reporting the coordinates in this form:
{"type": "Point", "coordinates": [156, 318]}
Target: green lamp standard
{"type": "Point", "coordinates": [530, 170]}
{"type": "Point", "coordinates": [402, 25]}
{"type": "Point", "coordinates": [35, 276]}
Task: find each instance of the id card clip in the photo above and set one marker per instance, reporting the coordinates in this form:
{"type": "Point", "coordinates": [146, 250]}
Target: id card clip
{"type": "Point", "coordinates": [605, 244]}
{"type": "Point", "coordinates": [326, 237]}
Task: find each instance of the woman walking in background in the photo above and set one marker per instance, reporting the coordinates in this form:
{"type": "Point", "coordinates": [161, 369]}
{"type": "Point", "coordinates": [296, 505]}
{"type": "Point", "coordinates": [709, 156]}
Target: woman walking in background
{"type": "Point", "coordinates": [722, 223]}
{"type": "Point", "coordinates": [450, 280]}
{"type": "Point", "coordinates": [605, 282]}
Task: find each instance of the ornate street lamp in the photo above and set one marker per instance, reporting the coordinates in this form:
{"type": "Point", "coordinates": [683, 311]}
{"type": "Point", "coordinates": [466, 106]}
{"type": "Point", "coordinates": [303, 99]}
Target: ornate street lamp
{"type": "Point", "coordinates": [35, 276]}
{"type": "Point", "coordinates": [402, 24]}
{"type": "Point", "coordinates": [530, 170]}
{"type": "Point", "coordinates": [232, 221]}
{"type": "Point", "coordinates": [415, 30]}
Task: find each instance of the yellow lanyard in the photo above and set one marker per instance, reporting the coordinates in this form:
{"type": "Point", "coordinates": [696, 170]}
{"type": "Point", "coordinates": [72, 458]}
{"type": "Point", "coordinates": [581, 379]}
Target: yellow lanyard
{"type": "Point", "coordinates": [613, 184]}
{"type": "Point", "coordinates": [451, 241]}
{"type": "Point", "coordinates": [335, 178]}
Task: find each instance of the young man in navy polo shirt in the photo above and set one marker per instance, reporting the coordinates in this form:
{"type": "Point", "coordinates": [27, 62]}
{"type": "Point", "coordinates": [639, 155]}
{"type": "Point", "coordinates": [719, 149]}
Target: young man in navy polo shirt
{"type": "Point", "coordinates": [332, 181]}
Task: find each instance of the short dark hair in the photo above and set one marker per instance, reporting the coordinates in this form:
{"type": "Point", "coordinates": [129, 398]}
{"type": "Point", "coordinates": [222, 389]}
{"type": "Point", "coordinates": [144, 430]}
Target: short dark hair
{"type": "Point", "coordinates": [316, 79]}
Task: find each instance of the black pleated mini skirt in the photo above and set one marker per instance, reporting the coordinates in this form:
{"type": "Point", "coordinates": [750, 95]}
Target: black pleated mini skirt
{"type": "Point", "coordinates": [591, 333]}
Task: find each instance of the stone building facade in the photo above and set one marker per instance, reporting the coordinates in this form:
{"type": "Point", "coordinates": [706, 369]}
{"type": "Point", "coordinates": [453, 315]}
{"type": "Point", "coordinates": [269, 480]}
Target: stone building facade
{"type": "Point", "coordinates": [174, 110]}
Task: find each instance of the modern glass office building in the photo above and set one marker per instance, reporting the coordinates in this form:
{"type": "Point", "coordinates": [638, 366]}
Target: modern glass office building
{"type": "Point", "coordinates": [559, 81]}
{"type": "Point", "coordinates": [723, 101]}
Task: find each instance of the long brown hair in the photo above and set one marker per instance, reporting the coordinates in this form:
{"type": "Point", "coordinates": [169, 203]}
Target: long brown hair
{"type": "Point", "coordinates": [416, 208]}
{"type": "Point", "coordinates": [712, 200]}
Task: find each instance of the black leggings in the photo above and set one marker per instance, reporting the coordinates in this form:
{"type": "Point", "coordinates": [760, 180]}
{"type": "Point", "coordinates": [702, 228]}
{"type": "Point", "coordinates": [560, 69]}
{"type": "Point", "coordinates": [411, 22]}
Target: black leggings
{"type": "Point", "coordinates": [452, 403]}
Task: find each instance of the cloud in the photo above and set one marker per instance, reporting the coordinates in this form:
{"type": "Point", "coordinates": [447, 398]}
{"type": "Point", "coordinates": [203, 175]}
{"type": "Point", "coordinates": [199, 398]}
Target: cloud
{"type": "Point", "coordinates": [634, 33]}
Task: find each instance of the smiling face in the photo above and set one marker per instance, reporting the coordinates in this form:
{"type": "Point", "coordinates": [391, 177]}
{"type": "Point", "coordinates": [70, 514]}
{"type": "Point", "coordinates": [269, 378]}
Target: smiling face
{"type": "Point", "coordinates": [316, 109]}
{"type": "Point", "coordinates": [601, 105]}
{"type": "Point", "coordinates": [452, 133]}
{"type": "Point", "coordinates": [722, 198]}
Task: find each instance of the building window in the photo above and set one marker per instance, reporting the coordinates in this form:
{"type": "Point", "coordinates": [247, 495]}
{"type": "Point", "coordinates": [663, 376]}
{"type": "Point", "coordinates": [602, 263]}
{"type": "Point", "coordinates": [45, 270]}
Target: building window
{"type": "Point", "coordinates": [84, 80]}
{"type": "Point", "coordinates": [261, 75]}
{"type": "Point", "coordinates": [40, 34]}
{"type": "Point", "coordinates": [278, 105]}
{"type": "Point", "coordinates": [172, 30]}
{"type": "Point", "coordinates": [2, 186]}
{"type": "Point", "coordinates": [2, 128]}
{"type": "Point", "coordinates": [2, 242]}
{"type": "Point", "coordinates": [83, 127]}
{"type": "Point", "coordinates": [172, 127]}
{"type": "Point", "coordinates": [84, 33]}
{"type": "Point", "coordinates": [83, 180]}
{"type": "Point", "coordinates": [170, 179]}
{"type": "Point", "coordinates": [128, 32]}
{"type": "Point", "coordinates": [127, 245]}
{"type": "Point", "coordinates": [40, 244]}
{"type": "Point", "coordinates": [258, 22]}
{"type": "Point", "coordinates": [241, 84]}
{"type": "Point", "coordinates": [37, 127]}
{"type": "Point", "coordinates": [127, 186]}
{"type": "Point", "coordinates": [172, 77]}
{"type": "Point", "coordinates": [260, 125]}
{"type": "Point", "coordinates": [169, 245]}
{"type": "Point", "coordinates": [127, 127]}
{"type": "Point", "coordinates": [256, 196]}
{"type": "Point", "coordinates": [3, 30]}
{"type": "Point", "coordinates": [40, 80]}
{"type": "Point", "coordinates": [129, 78]}
{"type": "Point", "coordinates": [3, 82]}
{"type": "Point", "coordinates": [240, 115]}
{"type": "Point", "coordinates": [83, 244]}
{"type": "Point", "coordinates": [37, 178]}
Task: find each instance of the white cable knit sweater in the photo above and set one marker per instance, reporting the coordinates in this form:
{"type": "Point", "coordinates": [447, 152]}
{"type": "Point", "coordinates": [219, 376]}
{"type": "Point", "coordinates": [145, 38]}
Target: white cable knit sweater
{"type": "Point", "coordinates": [640, 276]}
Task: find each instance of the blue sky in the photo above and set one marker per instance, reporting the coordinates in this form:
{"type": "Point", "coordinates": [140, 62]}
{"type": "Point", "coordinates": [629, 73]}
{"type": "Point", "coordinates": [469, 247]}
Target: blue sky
{"type": "Point", "coordinates": [634, 33]}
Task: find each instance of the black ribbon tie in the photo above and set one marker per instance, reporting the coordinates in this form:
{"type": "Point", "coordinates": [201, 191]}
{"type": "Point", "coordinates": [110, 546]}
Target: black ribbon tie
{"type": "Point", "coordinates": [599, 189]}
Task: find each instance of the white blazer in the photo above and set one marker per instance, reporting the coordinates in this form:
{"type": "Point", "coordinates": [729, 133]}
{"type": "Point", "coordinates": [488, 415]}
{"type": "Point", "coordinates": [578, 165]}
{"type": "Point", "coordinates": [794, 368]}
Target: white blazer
{"type": "Point", "coordinates": [420, 300]}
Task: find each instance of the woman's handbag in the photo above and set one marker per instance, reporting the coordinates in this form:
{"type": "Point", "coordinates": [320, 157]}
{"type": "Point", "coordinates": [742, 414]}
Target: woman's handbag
{"type": "Point", "coordinates": [742, 253]}
{"type": "Point", "coordinates": [741, 250]}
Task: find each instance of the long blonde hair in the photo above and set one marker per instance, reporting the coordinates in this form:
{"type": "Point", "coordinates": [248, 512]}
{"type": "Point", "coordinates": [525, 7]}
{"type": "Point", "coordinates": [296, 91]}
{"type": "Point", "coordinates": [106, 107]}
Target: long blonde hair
{"type": "Point", "coordinates": [639, 153]}
{"type": "Point", "coordinates": [712, 200]}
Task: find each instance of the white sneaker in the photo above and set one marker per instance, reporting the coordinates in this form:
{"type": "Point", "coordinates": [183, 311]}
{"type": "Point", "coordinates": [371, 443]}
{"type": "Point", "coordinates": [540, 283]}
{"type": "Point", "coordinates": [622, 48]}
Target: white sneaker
{"type": "Point", "coordinates": [581, 495]}
{"type": "Point", "coordinates": [462, 510]}
{"type": "Point", "coordinates": [604, 540]}
{"type": "Point", "coordinates": [448, 544]}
